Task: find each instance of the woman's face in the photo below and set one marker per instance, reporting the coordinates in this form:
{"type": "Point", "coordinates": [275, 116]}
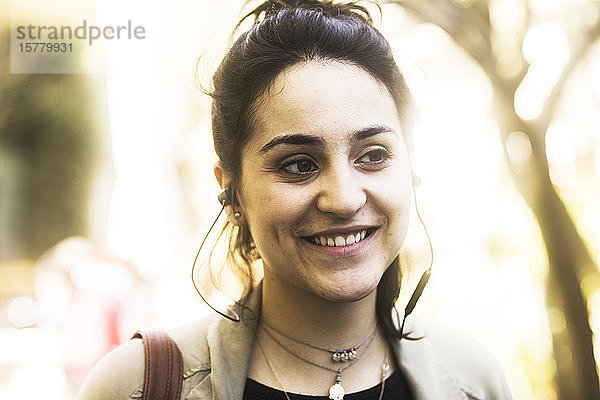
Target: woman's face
{"type": "Point", "coordinates": [325, 181]}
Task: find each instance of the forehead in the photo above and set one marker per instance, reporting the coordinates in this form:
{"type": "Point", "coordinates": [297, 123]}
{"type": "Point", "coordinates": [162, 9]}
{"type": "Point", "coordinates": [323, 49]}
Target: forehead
{"type": "Point", "coordinates": [328, 99]}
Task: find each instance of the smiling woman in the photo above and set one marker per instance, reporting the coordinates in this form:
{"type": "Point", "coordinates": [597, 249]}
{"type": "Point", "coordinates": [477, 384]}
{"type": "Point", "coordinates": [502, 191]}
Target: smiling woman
{"type": "Point", "coordinates": [311, 123]}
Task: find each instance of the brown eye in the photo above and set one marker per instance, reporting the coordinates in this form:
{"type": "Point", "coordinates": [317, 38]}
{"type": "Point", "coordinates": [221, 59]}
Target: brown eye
{"type": "Point", "coordinates": [300, 167]}
{"type": "Point", "coordinates": [376, 156]}
{"type": "Point", "coordinates": [304, 166]}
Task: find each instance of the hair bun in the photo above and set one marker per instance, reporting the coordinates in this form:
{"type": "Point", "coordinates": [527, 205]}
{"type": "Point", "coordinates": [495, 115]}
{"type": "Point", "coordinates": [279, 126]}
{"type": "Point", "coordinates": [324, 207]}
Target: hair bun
{"type": "Point", "coordinates": [270, 7]}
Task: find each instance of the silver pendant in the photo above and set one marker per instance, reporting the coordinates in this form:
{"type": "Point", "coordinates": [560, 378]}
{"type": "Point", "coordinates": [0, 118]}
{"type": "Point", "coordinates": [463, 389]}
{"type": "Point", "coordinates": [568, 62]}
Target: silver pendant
{"type": "Point", "coordinates": [336, 391]}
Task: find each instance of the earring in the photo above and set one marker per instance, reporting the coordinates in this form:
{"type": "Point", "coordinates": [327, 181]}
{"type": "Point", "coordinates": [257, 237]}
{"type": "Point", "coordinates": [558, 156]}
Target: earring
{"type": "Point", "coordinates": [254, 251]}
{"type": "Point", "coordinates": [237, 215]}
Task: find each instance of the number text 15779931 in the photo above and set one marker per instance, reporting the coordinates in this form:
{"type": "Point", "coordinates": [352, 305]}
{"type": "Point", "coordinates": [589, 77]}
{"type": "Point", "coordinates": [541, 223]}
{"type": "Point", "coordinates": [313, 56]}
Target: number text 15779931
{"type": "Point", "coordinates": [45, 47]}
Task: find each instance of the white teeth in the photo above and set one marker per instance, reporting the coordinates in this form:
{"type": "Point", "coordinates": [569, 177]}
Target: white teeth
{"type": "Point", "coordinates": [340, 241]}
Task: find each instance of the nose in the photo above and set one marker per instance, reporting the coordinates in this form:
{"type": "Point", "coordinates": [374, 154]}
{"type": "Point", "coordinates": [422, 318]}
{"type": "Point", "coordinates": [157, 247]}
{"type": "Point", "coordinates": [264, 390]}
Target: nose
{"type": "Point", "coordinates": [341, 192]}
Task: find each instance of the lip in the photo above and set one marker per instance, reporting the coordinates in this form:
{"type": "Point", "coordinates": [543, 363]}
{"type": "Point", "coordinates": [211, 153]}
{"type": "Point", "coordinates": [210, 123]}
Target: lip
{"type": "Point", "coordinates": [342, 230]}
{"type": "Point", "coordinates": [342, 251]}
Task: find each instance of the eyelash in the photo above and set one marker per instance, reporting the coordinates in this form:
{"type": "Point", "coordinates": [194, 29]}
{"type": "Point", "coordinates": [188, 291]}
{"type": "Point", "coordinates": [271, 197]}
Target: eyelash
{"type": "Point", "coordinates": [369, 165]}
{"type": "Point", "coordinates": [286, 165]}
{"type": "Point", "coordinates": [385, 156]}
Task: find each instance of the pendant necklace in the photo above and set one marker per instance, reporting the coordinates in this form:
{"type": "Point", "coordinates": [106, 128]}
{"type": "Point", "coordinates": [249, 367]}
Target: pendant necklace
{"type": "Point", "coordinates": [336, 391]}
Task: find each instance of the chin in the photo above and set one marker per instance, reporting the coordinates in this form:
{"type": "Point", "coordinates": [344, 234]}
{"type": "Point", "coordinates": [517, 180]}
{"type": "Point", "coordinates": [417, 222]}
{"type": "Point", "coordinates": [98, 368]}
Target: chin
{"type": "Point", "coordinates": [347, 293]}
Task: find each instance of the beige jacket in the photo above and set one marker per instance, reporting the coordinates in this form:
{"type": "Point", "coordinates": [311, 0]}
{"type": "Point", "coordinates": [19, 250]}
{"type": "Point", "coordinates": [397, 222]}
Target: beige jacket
{"type": "Point", "coordinates": [216, 353]}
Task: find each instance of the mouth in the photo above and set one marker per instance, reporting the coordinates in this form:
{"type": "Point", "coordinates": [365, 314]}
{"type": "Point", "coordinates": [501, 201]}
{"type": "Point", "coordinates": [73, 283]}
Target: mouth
{"type": "Point", "coordinates": [340, 239]}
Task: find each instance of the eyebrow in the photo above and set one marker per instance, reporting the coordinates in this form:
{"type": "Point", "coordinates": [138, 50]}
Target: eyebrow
{"type": "Point", "coordinates": [312, 140]}
{"type": "Point", "coordinates": [294, 138]}
{"type": "Point", "coordinates": [371, 130]}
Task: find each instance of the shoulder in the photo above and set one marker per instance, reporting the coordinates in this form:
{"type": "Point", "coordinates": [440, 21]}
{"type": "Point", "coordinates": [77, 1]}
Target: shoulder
{"type": "Point", "coordinates": [120, 374]}
{"type": "Point", "coordinates": [470, 363]}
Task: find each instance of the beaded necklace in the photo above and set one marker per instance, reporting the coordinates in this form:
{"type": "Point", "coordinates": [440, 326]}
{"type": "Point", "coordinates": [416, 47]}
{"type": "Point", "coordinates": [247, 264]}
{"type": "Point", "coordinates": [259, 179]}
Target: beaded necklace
{"type": "Point", "coordinates": [343, 355]}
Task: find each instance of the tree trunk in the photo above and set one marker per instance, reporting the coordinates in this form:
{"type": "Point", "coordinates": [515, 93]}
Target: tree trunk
{"type": "Point", "coordinates": [576, 375]}
{"type": "Point", "coordinates": [569, 261]}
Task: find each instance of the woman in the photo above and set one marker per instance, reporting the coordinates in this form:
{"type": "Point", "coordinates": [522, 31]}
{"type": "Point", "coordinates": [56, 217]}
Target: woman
{"type": "Point", "coordinates": [311, 123]}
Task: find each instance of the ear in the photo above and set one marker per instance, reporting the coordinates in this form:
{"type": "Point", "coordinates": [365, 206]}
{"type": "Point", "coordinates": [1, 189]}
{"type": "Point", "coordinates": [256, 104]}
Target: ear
{"type": "Point", "coordinates": [224, 182]}
{"type": "Point", "coordinates": [220, 174]}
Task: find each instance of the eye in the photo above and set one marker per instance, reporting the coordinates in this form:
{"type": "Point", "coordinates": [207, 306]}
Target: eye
{"type": "Point", "coordinates": [301, 166]}
{"type": "Point", "coordinates": [375, 156]}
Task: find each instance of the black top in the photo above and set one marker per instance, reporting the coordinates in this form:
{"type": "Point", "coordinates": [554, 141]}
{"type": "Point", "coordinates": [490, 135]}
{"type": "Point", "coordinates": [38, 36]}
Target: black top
{"type": "Point", "coordinates": [395, 388]}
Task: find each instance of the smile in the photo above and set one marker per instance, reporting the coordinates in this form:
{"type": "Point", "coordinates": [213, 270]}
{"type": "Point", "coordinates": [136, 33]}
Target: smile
{"type": "Point", "coordinates": [341, 239]}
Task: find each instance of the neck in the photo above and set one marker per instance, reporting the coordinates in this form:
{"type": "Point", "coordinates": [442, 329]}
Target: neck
{"type": "Point", "coordinates": [306, 316]}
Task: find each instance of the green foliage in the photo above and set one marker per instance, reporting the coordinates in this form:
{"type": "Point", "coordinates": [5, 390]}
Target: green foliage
{"type": "Point", "coordinates": [47, 155]}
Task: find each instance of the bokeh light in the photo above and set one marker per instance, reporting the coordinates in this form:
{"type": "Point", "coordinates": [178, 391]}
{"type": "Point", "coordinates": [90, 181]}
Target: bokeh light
{"type": "Point", "coordinates": [22, 312]}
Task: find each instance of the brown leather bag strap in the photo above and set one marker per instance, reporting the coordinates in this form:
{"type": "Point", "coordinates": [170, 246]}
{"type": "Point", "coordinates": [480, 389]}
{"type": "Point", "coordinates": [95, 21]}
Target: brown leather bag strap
{"type": "Point", "coordinates": [164, 366]}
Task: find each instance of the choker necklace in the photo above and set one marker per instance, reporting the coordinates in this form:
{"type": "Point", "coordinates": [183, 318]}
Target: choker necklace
{"type": "Point", "coordinates": [344, 355]}
{"type": "Point", "coordinates": [336, 391]}
{"type": "Point", "coordinates": [384, 371]}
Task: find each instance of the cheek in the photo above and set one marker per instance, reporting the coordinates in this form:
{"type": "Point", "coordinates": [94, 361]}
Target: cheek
{"type": "Point", "coordinates": [394, 202]}
{"type": "Point", "coordinates": [273, 212]}
{"type": "Point", "coordinates": [393, 189]}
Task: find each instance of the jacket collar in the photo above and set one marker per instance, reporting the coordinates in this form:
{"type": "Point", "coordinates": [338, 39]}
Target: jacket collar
{"type": "Point", "coordinates": [425, 372]}
{"type": "Point", "coordinates": [230, 346]}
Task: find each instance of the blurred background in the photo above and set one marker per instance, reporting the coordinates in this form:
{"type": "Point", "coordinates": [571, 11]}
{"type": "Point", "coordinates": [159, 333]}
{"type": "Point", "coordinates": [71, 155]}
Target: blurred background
{"type": "Point", "coordinates": [106, 184]}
